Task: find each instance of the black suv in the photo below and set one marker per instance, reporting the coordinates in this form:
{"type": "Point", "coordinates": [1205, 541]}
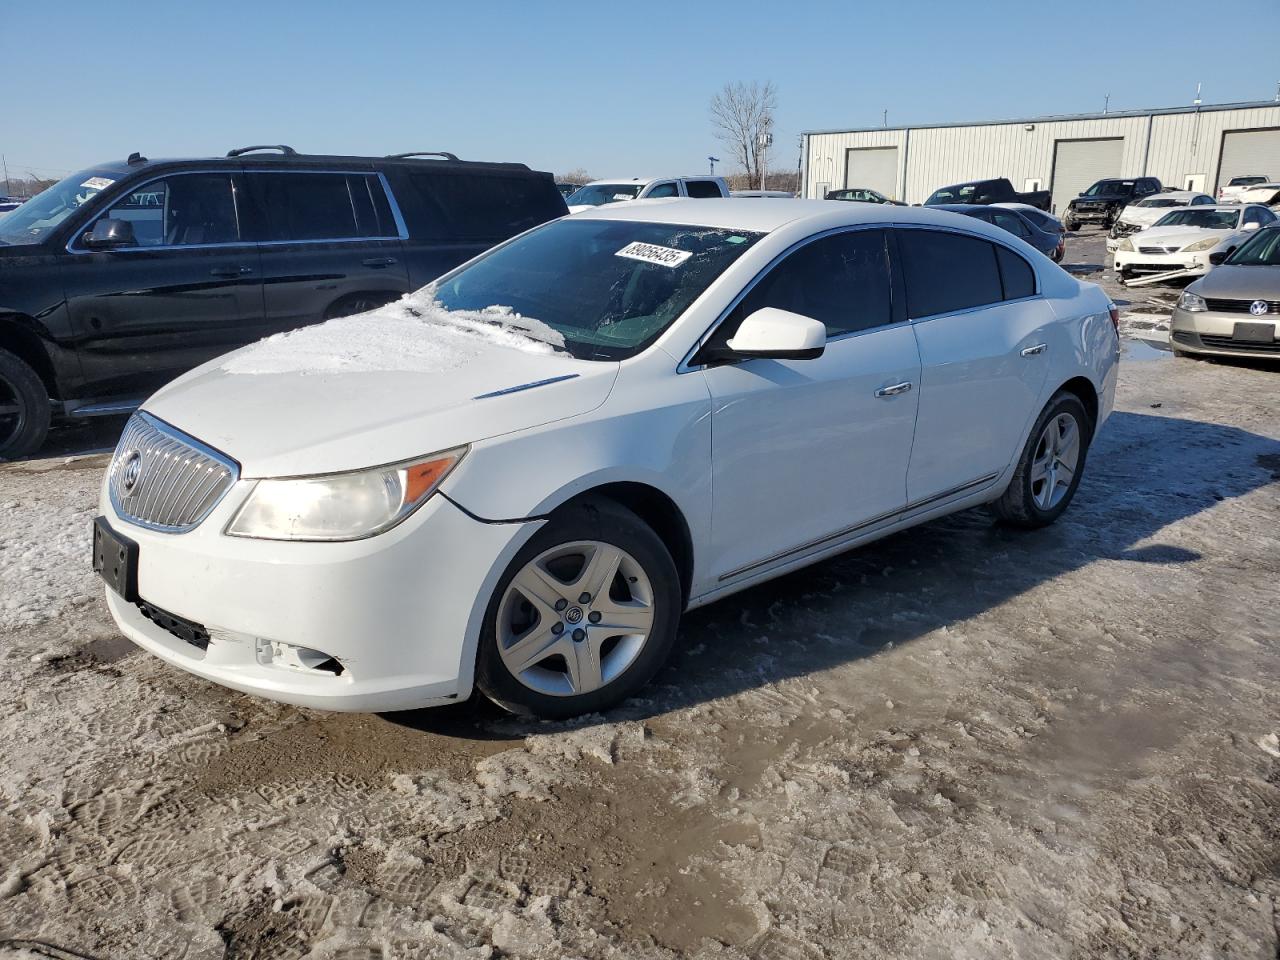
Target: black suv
{"type": "Point", "coordinates": [117, 279]}
{"type": "Point", "coordinates": [1103, 201]}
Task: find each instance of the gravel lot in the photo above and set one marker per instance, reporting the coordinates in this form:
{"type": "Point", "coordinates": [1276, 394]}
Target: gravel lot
{"type": "Point", "coordinates": [960, 742]}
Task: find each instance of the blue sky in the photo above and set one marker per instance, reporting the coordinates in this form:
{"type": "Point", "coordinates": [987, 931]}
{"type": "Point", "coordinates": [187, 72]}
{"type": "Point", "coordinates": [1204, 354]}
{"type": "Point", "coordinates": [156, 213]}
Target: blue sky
{"type": "Point", "coordinates": [621, 90]}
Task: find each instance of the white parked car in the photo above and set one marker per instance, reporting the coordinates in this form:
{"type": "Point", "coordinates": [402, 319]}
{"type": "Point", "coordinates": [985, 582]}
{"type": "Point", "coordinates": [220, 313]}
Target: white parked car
{"type": "Point", "coordinates": [1233, 191]}
{"type": "Point", "coordinates": [518, 478]}
{"type": "Point", "coordinates": [1188, 239]}
{"type": "Point", "coordinates": [1145, 212]}
{"type": "Point", "coordinates": [601, 192]}
{"type": "Point", "coordinates": [1267, 194]}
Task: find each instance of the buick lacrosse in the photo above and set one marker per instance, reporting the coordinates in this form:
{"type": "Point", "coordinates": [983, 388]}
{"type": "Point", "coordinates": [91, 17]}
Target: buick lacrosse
{"type": "Point", "coordinates": [518, 478]}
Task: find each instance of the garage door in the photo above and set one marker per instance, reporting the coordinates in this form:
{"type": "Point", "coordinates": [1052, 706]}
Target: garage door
{"type": "Point", "coordinates": [1078, 164]}
{"type": "Point", "coordinates": [1247, 152]}
{"type": "Point", "coordinates": [874, 167]}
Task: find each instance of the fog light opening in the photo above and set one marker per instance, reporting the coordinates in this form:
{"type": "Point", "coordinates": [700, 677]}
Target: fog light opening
{"type": "Point", "coordinates": [291, 656]}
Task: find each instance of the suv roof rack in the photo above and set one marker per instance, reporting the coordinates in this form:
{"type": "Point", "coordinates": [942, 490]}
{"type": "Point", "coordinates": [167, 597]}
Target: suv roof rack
{"type": "Point", "coordinates": [421, 153]}
{"type": "Point", "coordinates": [283, 148]}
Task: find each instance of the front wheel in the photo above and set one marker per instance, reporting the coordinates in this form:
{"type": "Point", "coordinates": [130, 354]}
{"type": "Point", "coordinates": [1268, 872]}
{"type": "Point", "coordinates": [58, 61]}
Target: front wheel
{"type": "Point", "coordinates": [24, 408]}
{"type": "Point", "coordinates": [1050, 467]}
{"type": "Point", "coordinates": [583, 617]}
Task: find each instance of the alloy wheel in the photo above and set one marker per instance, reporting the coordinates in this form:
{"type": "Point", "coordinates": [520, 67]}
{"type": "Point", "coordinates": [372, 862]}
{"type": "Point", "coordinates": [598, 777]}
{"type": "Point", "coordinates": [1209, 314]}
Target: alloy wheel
{"type": "Point", "coordinates": [574, 618]}
{"type": "Point", "coordinates": [13, 414]}
{"type": "Point", "coordinates": [1057, 456]}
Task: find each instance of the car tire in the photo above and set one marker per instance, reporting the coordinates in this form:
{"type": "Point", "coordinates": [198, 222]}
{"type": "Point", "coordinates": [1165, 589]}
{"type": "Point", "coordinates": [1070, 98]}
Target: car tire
{"type": "Point", "coordinates": [24, 428]}
{"type": "Point", "coordinates": [539, 603]}
{"type": "Point", "coordinates": [1070, 224]}
{"type": "Point", "coordinates": [1038, 494]}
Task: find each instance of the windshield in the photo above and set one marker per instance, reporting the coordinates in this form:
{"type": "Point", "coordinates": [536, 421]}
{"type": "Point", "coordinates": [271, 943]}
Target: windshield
{"type": "Point", "coordinates": [1245, 181]}
{"type": "Point", "coordinates": [609, 287]}
{"type": "Point", "coordinates": [36, 219]}
{"type": "Point", "coordinates": [1161, 202]}
{"type": "Point", "coordinates": [960, 194]}
{"type": "Point", "coordinates": [1260, 250]}
{"type": "Point", "coordinates": [596, 194]}
{"type": "Point", "coordinates": [1106, 187]}
{"type": "Point", "coordinates": [1205, 219]}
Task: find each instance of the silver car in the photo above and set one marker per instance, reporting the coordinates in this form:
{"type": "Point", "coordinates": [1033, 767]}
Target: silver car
{"type": "Point", "coordinates": [1234, 310]}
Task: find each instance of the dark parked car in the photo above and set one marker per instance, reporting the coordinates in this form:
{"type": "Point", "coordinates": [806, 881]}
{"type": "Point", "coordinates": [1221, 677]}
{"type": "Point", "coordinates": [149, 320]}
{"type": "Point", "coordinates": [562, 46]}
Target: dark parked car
{"type": "Point", "coordinates": [863, 195]}
{"type": "Point", "coordinates": [567, 190]}
{"type": "Point", "coordinates": [119, 278]}
{"type": "Point", "coordinates": [10, 203]}
{"type": "Point", "coordinates": [1103, 202]}
{"type": "Point", "coordinates": [998, 190]}
{"type": "Point", "coordinates": [1048, 241]}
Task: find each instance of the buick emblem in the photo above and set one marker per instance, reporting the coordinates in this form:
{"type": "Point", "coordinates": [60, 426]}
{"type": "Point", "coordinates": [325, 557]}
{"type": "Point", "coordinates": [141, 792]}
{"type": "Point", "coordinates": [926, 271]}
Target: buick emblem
{"type": "Point", "coordinates": [1258, 308]}
{"type": "Point", "coordinates": [130, 472]}
{"type": "Point", "coordinates": [574, 615]}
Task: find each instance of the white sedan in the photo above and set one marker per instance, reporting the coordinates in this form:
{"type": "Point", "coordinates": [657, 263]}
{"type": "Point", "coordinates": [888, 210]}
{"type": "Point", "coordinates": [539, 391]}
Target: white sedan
{"type": "Point", "coordinates": [1145, 212]}
{"type": "Point", "coordinates": [518, 478]}
{"type": "Point", "coordinates": [600, 193]}
{"type": "Point", "coordinates": [1189, 241]}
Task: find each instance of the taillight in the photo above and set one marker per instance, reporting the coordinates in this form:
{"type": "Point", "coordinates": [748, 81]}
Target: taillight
{"type": "Point", "coordinates": [1115, 316]}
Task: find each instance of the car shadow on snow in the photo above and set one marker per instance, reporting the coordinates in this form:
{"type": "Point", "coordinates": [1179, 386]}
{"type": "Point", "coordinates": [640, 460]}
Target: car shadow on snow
{"type": "Point", "coordinates": [1144, 474]}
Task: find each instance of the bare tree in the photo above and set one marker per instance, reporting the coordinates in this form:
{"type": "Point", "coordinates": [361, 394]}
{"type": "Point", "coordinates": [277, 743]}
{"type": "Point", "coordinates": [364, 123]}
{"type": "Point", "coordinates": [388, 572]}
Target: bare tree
{"type": "Point", "coordinates": [578, 175]}
{"type": "Point", "coordinates": [742, 115]}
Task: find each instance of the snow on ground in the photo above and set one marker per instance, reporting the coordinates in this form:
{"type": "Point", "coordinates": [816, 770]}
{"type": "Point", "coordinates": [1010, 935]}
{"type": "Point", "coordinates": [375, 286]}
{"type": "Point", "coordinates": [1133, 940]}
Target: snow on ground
{"type": "Point", "coordinates": [963, 741]}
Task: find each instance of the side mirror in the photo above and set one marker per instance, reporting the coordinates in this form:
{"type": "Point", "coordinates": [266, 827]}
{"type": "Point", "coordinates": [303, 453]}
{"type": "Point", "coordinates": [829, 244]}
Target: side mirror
{"type": "Point", "coordinates": [1252, 226]}
{"type": "Point", "coordinates": [108, 234]}
{"type": "Point", "coordinates": [1217, 258]}
{"type": "Point", "coordinates": [779, 335]}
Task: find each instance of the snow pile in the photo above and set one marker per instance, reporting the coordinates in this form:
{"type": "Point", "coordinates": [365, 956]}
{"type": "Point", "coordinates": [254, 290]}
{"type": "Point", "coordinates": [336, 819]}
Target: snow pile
{"type": "Point", "coordinates": [44, 556]}
{"type": "Point", "coordinates": [416, 334]}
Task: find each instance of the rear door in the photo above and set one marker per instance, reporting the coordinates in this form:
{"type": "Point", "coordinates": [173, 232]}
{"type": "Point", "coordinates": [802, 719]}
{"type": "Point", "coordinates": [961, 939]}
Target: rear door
{"type": "Point", "coordinates": [329, 242]}
{"type": "Point", "coordinates": [981, 326]}
{"type": "Point", "coordinates": [189, 289]}
{"type": "Point", "coordinates": [806, 451]}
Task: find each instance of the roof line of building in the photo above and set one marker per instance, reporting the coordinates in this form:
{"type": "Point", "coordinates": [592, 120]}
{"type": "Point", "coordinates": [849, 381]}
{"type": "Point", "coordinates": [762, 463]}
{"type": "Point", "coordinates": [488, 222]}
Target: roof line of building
{"type": "Point", "coordinates": [1055, 118]}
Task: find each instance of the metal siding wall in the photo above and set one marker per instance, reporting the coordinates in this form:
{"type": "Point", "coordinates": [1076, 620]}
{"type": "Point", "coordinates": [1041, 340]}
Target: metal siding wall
{"type": "Point", "coordinates": [1181, 144]}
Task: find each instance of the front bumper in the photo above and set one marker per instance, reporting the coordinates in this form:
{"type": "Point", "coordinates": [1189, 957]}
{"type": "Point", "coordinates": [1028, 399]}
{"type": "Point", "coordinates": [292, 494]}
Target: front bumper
{"type": "Point", "coordinates": [1135, 261]}
{"type": "Point", "coordinates": [1090, 215]}
{"type": "Point", "coordinates": [400, 612]}
{"type": "Point", "coordinates": [1210, 332]}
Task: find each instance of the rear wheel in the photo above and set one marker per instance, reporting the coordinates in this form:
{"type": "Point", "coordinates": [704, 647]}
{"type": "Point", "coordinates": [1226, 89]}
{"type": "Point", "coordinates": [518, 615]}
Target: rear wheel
{"type": "Point", "coordinates": [1050, 467]}
{"type": "Point", "coordinates": [582, 618]}
{"type": "Point", "coordinates": [24, 408]}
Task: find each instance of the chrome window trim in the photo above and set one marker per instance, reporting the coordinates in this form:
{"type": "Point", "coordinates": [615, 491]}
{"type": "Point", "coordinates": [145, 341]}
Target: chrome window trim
{"type": "Point", "coordinates": [403, 232]}
{"type": "Point", "coordinates": [173, 433]}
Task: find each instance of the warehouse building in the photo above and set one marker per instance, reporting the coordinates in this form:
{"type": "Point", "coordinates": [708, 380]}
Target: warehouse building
{"type": "Point", "coordinates": [1196, 148]}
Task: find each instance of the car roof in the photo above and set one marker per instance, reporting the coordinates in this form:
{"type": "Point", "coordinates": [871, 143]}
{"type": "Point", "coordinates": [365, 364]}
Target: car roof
{"type": "Point", "coordinates": [124, 168]}
{"type": "Point", "coordinates": [743, 213]}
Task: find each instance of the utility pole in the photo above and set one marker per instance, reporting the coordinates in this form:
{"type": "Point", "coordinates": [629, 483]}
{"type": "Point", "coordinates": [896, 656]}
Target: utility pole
{"type": "Point", "coordinates": [884, 119]}
{"type": "Point", "coordinates": [713, 164]}
{"type": "Point", "coordinates": [5, 163]}
{"type": "Point", "coordinates": [1106, 103]}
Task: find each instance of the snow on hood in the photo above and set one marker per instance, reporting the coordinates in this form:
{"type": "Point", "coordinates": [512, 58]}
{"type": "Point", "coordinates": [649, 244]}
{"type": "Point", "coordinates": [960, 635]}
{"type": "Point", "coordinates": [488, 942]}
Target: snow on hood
{"type": "Point", "coordinates": [415, 334]}
{"type": "Point", "coordinates": [408, 379]}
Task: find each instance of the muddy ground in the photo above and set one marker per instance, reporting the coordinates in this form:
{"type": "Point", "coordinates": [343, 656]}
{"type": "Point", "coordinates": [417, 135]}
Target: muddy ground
{"type": "Point", "coordinates": [960, 742]}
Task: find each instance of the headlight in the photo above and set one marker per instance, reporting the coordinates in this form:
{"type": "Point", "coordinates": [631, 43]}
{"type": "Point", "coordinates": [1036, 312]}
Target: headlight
{"type": "Point", "coordinates": [341, 506]}
{"type": "Point", "coordinates": [1192, 302]}
{"type": "Point", "coordinates": [1208, 243]}
{"type": "Point", "coordinates": [1126, 244]}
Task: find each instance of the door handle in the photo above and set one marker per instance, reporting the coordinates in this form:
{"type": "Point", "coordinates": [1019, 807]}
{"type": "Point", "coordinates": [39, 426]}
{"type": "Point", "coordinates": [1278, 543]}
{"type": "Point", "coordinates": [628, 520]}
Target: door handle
{"type": "Point", "coordinates": [378, 261]}
{"type": "Point", "coordinates": [1033, 351]}
{"type": "Point", "coordinates": [230, 271]}
{"type": "Point", "coordinates": [894, 390]}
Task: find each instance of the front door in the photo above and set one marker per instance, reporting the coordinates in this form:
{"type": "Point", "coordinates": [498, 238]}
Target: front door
{"type": "Point", "coordinates": [805, 451]}
{"type": "Point", "coordinates": [188, 288]}
{"type": "Point", "coordinates": [982, 331]}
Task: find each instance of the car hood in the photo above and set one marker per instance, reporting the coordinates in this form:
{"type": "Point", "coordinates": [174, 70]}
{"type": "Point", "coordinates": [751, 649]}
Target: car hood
{"type": "Point", "coordinates": [1104, 198]}
{"type": "Point", "coordinates": [1177, 236]}
{"type": "Point", "coordinates": [318, 401]}
{"type": "Point", "coordinates": [1240, 283]}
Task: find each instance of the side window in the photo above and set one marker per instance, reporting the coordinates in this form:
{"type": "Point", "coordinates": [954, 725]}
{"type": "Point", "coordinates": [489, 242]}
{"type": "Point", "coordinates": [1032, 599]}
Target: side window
{"type": "Point", "coordinates": [1011, 222]}
{"type": "Point", "coordinates": [702, 189]}
{"type": "Point", "coordinates": [1201, 201]}
{"type": "Point", "coordinates": [668, 189]}
{"type": "Point", "coordinates": [1253, 215]}
{"type": "Point", "coordinates": [1268, 217]}
{"type": "Point", "coordinates": [443, 205]}
{"type": "Point", "coordinates": [191, 208]}
{"type": "Point", "coordinates": [947, 272]}
{"type": "Point", "coordinates": [1016, 275]}
{"type": "Point", "coordinates": [314, 206]}
{"type": "Point", "coordinates": [842, 280]}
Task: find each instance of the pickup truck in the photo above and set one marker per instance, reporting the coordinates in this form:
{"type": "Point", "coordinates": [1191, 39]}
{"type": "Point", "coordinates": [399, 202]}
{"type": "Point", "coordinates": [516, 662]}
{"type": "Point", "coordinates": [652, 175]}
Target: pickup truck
{"type": "Point", "coordinates": [999, 190]}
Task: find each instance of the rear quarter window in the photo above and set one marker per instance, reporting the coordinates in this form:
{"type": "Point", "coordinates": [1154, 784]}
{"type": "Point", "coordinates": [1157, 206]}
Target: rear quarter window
{"type": "Point", "coordinates": [465, 206]}
{"type": "Point", "coordinates": [702, 189]}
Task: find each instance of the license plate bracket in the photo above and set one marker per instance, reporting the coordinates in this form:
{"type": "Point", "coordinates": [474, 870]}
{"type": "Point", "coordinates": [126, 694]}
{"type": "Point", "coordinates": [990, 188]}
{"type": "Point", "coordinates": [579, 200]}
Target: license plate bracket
{"type": "Point", "coordinates": [115, 560]}
{"type": "Point", "coordinates": [1254, 332]}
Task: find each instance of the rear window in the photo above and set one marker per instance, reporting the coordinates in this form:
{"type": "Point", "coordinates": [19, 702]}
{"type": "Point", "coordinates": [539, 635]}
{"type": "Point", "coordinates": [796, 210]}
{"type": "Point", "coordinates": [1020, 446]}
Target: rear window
{"type": "Point", "coordinates": [468, 206]}
{"type": "Point", "coordinates": [946, 272]}
{"type": "Point", "coordinates": [321, 206]}
{"type": "Point", "coordinates": [702, 189]}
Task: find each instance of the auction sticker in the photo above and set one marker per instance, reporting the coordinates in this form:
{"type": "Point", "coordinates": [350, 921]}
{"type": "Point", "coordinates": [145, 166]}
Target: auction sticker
{"type": "Point", "coordinates": [652, 253]}
{"type": "Point", "coordinates": [97, 183]}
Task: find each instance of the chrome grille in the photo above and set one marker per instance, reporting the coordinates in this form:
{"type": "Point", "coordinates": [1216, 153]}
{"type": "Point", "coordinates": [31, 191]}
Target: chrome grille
{"type": "Point", "coordinates": [162, 479]}
{"type": "Point", "coordinates": [1150, 250]}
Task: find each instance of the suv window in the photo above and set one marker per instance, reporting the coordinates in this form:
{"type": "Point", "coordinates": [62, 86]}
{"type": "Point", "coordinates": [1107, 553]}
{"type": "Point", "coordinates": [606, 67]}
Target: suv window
{"type": "Point", "coordinates": [702, 189]}
{"type": "Point", "coordinates": [947, 271]}
{"type": "Point", "coordinates": [467, 206]}
{"type": "Point", "coordinates": [183, 209]}
{"type": "Point", "coordinates": [319, 206]}
{"type": "Point", "coordinates": [669, 189]}
{"type": "Point", "coordinates": [842, 280]}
